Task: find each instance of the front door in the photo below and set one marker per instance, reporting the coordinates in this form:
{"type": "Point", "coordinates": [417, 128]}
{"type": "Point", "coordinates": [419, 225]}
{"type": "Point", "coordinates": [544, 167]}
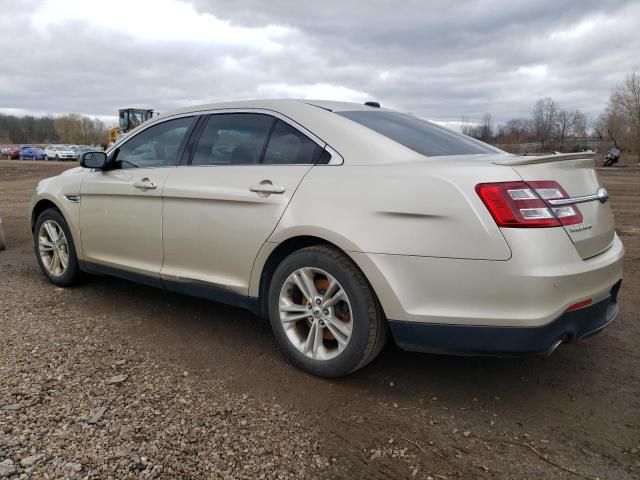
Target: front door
{"type": "Point", "coordinates": [221, 208]}
{"type": "Point", "coordinates": [121, 208]}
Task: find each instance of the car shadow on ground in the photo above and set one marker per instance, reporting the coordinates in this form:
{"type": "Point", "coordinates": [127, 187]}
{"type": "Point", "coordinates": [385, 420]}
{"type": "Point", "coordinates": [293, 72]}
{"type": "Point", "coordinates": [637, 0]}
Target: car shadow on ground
{"type": "Point", "coordinates": [228, 343]}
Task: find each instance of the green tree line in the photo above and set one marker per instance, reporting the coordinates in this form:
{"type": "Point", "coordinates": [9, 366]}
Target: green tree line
{"type": "Point", "coordinates": [71, 129]}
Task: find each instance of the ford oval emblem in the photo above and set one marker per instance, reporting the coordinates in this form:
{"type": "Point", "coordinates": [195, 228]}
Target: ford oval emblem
{"type": "Point", "coordinates": [602, 194]}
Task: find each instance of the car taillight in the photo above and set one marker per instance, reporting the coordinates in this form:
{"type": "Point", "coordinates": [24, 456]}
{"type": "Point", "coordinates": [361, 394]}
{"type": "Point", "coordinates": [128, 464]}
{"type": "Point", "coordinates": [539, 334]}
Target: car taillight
{"type": "Point", "coordinates": [523, 204]}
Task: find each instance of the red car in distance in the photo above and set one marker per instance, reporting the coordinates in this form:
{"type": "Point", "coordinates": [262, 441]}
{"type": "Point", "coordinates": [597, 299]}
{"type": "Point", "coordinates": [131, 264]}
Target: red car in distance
{"type": "Point", "coordinates": [13, 153]}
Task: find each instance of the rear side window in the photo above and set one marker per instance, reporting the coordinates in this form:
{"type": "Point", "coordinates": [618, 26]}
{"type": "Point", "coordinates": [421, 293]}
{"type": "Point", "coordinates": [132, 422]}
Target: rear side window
{"type": "Point", "coordinates": [420, 136]}
{"type": "Point", "coordinates": [232, 139]}
{"type": "Point", "coordinates": [288, 146]}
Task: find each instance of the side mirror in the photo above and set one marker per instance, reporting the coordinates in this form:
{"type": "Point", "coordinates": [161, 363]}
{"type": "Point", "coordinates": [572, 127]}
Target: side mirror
{"type": "Point", "coordinates": [96, 160]}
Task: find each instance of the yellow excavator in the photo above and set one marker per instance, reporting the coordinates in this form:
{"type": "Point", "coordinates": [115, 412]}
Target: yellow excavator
{"type": "Point", "coordinates": [128, 119]}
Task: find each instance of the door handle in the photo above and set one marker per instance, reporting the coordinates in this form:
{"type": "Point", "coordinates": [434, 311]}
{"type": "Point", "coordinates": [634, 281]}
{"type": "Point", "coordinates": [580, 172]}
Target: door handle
{"type": "Point", "coordinates": [145, 184]}
{"type": "Point", "coordinates": [265, 188]}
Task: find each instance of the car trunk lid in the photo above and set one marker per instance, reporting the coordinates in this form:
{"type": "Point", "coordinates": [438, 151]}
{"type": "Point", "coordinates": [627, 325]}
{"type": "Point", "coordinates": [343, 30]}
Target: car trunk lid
{"type": "Point", "coordinates": [576, 173]}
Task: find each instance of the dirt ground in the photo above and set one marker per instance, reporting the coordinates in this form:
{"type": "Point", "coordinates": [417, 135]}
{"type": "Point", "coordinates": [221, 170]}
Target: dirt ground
{"type": "Point", "coordinates": [207, 393]}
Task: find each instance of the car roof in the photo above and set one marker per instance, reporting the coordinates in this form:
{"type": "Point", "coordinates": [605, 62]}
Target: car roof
{"type": "Point", "coordinates": [273, 104]}
{"type": "Point", "coordinates": [352, 141]}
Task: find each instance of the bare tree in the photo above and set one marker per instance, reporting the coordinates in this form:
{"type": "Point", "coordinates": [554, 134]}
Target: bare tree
{"type": "Point", "coordinates": [74, 128]}
{"type": "Point", "coordinates": [567, 122]}
{"type": "Point", "coordinates": [581, 125]}
{"type": "Point", "coordinates": [71, 128]}
{"type": "Point", "coordinates": [619, 124]}
{"type": "Point", "coordinates": [465, 126]}
{"type": "Point", "coordinates": [27, 129]}
{"type": "Point", "coordinates": [485, 129]}
{"type": "Point", "coordinates": [625, 102]}
{"type": "Point", "coordinates": [514, 130]}
{"type": "Point", "coordinates": [599, 126]}
{"type": "Point", "coordinates": [543, 120]}
{"type": "Point", "coordinates": [482, 131]}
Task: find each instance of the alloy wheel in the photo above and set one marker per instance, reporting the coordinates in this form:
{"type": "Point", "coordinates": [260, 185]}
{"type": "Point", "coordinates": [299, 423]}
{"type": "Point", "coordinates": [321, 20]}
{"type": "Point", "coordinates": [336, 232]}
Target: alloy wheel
{"type": "Point", "coordinates": [53, 248]}
{"type": "Point", "coordinates": [315, 313]}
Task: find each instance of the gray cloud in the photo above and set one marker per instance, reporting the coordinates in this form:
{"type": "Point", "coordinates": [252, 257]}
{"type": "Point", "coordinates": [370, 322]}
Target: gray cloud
{"type": "Point", "coordinates": [438, 59]}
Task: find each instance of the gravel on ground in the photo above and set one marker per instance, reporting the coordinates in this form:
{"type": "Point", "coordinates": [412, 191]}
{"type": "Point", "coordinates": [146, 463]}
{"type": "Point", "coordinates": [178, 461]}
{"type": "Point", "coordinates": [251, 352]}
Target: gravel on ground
{"type": "Point", "coordinates": [110, 379]}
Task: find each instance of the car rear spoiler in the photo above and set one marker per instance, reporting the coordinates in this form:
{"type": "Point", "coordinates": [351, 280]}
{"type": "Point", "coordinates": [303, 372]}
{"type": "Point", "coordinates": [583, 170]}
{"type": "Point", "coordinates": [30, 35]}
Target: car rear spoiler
{"type": "Point", "coordinates": [559, 157]}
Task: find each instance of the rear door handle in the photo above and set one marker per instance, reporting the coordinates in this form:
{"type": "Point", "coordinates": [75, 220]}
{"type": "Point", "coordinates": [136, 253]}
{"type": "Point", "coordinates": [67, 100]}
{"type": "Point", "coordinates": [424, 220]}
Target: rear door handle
{"type": "Point", "coordinates": [265, 188]}
{"type": "Point", "coordinates": [145, 184]}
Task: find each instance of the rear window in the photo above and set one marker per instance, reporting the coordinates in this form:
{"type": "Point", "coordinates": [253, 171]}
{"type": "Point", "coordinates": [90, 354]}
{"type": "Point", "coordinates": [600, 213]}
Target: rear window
{"type": "Point", "coordinates": [420, 136]}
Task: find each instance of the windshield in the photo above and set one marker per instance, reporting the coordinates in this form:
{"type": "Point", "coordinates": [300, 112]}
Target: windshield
{"type": "Point", "coordinates": [419, 135]}
{"type": "Point", "coordinates": [144, 115]}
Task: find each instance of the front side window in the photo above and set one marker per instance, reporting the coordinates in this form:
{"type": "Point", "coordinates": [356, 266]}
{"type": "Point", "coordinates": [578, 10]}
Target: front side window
{"type": "Point", "coordinates": [288, 146]}
{"type": "Point", "coordinates": [232, 139]}
{"type": "Point", "coordinates": [157, 146]}
{"type": "Point", "coordinates": [420, 136]}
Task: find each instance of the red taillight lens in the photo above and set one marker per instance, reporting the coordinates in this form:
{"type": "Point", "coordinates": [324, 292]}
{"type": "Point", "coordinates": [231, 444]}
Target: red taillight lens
{"type": "Point", "coordinates": [523, 204]}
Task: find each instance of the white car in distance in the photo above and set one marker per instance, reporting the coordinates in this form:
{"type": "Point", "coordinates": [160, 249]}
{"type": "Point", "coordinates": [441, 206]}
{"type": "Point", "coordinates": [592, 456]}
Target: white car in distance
{"type": "Point", "coordinates": [59, 152]}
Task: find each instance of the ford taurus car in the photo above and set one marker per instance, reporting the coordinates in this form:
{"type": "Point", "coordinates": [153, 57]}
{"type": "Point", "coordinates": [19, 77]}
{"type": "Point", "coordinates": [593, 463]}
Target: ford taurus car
{"type": "Point", "coordinates": [343, 224]}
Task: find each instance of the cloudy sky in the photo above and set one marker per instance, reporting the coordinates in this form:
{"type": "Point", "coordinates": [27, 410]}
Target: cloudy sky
{"type": "Point", "coordinates": [439, 59]}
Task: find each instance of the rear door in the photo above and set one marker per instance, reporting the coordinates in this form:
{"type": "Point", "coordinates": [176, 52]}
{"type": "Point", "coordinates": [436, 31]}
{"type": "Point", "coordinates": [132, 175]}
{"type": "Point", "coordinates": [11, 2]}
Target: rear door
{"type": "Point", "coordinates": [222, 205]}
{"type": "Point", "coordinates": [576, 174]}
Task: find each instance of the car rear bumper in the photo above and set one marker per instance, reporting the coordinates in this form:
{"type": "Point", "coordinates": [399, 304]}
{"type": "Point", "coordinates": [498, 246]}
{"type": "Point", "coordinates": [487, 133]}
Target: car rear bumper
{"type": "Point", "coordinates": [544, 276]}
{"type": "Point", "coordinates": [507, 341]}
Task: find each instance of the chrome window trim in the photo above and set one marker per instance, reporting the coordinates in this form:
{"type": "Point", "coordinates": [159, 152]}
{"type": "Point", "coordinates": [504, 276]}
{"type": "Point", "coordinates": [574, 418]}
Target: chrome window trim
{"type": "Point", "coordinates": [148, 124]}
{"type": "Point", "coordinates": [272, 113]}
{"type": "Point", "coordinates": [144, 126]}
{"type": "Point", "coordinates": [336, 158]}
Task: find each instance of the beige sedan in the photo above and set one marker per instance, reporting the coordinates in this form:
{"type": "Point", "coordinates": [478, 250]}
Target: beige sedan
{"type": "Point", "coordinates": [343, 223]}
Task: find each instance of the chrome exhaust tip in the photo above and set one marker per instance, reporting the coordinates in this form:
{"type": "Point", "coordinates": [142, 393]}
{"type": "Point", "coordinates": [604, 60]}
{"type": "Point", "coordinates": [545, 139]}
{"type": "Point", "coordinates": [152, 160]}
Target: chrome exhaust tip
{"type": "Point", "coordinates": [552, 348]}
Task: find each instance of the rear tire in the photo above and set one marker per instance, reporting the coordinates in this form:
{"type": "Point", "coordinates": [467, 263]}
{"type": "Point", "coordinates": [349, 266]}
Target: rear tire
{"type": "Point", "coordinates": [54, 248]}
{"type": "Point", "coordinates": [348, 333]}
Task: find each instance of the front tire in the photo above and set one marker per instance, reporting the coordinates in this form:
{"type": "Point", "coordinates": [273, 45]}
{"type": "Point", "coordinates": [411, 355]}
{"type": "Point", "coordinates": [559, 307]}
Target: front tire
{"type": "Point", "coordinates": [54, 248]}
{"type": "Point", "coordinates": [324, 313]}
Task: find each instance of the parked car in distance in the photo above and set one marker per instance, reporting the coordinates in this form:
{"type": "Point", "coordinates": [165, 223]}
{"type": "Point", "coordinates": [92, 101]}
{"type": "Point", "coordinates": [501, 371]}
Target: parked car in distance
{"type": "Point", "coordinates": [59, 152]}
{"type": "Point", "coordinates": [343, 223]}
{"type": "Point", "coordinates": [13, 153]}
{"type": "Point", "coordinates": [75, 149]}
{"type": "Point", "coordinates": [32, 153]}
{"type": "Point", "coordinates": [84, 148]}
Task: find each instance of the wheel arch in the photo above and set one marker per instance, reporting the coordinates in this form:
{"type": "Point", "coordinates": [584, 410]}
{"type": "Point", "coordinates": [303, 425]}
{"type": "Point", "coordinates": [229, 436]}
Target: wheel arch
{"type": "Point", "coordinates": [70, 216]}
{"type": "Point", "coordinates": [283, 249]}
{"type": "Point", "coordinates": [42, 205]}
